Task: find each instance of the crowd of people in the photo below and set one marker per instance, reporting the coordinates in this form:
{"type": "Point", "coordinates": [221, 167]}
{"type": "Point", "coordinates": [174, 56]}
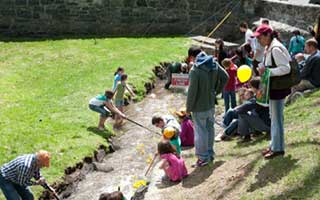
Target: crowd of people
{"type": "Point", "coordinates": [209, 75]}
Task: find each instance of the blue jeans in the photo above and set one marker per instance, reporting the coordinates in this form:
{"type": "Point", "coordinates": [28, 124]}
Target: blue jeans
{"type": "Point", "coordinates": [14, 191]}
{"type": "Point", "coordinates": [100, 109]}
{"type": "Point", "coordinates": [227, 95]}
{"type": "Point", "coordinates": [230, 121]}
{"type": "Point", "coordinates": [251, 122]}
{"type": "Point", "coordinates": [204, 134]}
{"type": "Point", "coordinates": [277, 130]}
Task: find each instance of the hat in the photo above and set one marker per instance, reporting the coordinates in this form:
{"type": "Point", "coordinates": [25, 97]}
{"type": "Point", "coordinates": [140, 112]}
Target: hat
{"type": "Point", "coordinates": [262, 29]}
{"type": "Point", "coordinates": [181, 113]}
{"type": "Point", "coordinates": [169, 132]}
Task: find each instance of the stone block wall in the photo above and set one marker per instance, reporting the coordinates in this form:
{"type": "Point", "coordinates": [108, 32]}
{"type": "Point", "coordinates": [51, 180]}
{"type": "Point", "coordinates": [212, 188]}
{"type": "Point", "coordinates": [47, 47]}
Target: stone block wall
{"type": "Point", "coordinates": [115, 17]}
{"type": "Point", "coordinates": [299, 16]}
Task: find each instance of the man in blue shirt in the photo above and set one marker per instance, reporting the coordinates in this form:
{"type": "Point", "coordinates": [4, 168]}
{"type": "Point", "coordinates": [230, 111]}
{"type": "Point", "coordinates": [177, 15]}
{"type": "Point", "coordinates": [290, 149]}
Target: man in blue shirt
{"type": "Point", "coordinates": [15, 176]}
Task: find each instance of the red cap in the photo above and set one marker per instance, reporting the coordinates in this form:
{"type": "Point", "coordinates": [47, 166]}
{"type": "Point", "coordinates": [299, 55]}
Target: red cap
{"type": "Point", "coordinates": [262, 29]}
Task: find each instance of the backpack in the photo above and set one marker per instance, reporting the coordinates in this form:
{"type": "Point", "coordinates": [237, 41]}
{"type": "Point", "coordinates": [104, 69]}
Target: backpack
{"type": "Point", "coordinates": [285, 81]}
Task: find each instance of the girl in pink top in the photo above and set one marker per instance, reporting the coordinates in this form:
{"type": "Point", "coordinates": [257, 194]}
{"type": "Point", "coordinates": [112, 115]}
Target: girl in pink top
{"type": "Point", "coordinates": [173, 166]}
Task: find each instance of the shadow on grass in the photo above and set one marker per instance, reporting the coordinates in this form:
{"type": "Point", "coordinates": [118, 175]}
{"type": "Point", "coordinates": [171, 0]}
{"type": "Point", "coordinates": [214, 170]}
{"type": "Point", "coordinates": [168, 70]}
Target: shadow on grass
{"type": "Point", "coordinates": [256, 140]}
{"type": "Point", "coordinates": [308, 187]}
{"type": "Point", "coordinates": [273, 171]}
{"type": "Point", "coordinates": [246, 171]}
{"type": "Point", "coordinates": [105, 134]}
{"type": "Point", "coordinates": [200, 174]}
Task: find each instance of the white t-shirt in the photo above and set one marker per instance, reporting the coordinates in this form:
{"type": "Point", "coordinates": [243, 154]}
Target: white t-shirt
{"type": "Point", "coordinates": [248, 38]}
{"type": "Point", "coordinates": [258, 50]}
{"type": "Point", "coordinates": [98, 100]}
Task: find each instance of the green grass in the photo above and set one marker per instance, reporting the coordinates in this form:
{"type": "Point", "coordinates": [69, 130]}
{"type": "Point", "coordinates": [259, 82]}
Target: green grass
{"type": "Point", "coordinates": [297, 174]}
{"type": "Point", "coordinates": [46, 85]}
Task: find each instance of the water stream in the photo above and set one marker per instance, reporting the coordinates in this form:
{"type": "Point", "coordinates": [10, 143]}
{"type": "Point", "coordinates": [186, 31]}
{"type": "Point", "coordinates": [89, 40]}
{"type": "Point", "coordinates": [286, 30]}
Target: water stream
{"type": "Point", "coordinates": [137, 147]}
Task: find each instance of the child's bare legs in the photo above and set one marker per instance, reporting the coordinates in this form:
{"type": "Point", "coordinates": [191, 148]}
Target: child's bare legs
{"type": "Point", "coordinates": [101, 123]}
{"type": "Point", "coordinates": [118, 118]}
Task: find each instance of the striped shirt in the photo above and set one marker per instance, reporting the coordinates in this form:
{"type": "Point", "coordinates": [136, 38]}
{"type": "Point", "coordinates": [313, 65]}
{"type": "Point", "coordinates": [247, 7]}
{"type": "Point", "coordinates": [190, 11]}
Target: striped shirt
{"type": "Point", "coordinates": [21, 170]}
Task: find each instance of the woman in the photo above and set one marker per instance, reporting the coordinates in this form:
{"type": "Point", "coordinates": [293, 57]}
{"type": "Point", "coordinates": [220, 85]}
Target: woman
{"type": "Point", "coordinates": [277, 59]}
{"type": "Point", "coordinates": [221, 54]}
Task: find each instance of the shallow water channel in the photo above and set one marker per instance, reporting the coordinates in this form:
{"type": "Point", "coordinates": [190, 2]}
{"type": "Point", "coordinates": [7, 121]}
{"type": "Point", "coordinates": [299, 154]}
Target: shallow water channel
{"type": "Point", "coordinates": [137, 147]}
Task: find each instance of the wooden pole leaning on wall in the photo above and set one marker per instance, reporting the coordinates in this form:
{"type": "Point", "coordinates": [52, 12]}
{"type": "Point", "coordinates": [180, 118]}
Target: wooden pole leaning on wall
{"type": "Point", "coordinates": [218, 25]}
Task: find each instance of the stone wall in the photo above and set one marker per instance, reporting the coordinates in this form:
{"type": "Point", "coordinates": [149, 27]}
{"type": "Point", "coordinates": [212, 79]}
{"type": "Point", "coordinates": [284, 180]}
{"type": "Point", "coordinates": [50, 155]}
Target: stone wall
{"type": "Point", "coordinates": [299, 16]}
{"type": "Point", "coordinates": [115, 17]}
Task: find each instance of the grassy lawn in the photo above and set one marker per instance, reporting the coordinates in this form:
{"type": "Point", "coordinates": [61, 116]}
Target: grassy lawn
{"type": "Point", "coordinates": [46, 85]}
{"type": "Point", "coordinates": [297, 174]}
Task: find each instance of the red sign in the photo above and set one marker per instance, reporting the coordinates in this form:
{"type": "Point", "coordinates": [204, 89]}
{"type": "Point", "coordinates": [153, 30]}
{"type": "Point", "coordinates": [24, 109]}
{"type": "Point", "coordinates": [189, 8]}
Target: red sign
{"type": "Point", "coordinates": [180, 80]}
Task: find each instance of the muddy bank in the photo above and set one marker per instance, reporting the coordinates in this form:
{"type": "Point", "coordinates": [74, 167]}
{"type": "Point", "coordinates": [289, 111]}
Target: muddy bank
{"type": "Point", "coordinates": [73, 175]}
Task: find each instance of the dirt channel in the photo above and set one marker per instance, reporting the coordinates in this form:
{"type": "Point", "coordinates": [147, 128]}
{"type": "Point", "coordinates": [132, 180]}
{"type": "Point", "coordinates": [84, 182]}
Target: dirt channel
{"type": "Point", "coordinates": [223, 179]}
{"type": "Point", "coordinates": [137, 147]}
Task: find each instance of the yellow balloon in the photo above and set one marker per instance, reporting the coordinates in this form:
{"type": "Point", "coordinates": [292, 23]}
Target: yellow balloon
{"type": "Point", "coordinates": [244, 73]}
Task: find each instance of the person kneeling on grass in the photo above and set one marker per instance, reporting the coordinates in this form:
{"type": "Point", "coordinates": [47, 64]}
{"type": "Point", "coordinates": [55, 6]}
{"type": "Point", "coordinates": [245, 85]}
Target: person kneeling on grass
{"type": "Point", "coordinates": [15, 176]}
{"type": "Point", "coordinates": [173, 166]}
{"type": "Point", "coordinates": [172, 136]}
{"type": "Point", "coordinates": [103, 105]}
{"type": "Point", "coordinates": [119, 97]}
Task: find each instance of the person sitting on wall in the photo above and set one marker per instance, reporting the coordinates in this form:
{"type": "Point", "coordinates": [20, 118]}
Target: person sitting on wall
{"type": "Point", "coordinates": [310, 73]}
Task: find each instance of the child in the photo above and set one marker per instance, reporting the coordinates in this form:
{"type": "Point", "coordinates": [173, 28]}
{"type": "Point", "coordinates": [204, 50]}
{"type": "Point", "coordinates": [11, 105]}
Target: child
{"type": "Point", "coordinates": [230, 88]}
{"type": "Point", "coordinates": [103, 105]}
{"type": "Point", "coordinates": [171, 135]}
{"type": "Point", "coordinates": [173, 166]}
{"type": "Point", "coordinates": [112, 196]}
{"type": "Point", "coordinates": [117, 77]}
{"type": "Point", "coordinates": [187, 130]}
{"type": "Point", "coordinates": [166, 121]}
{"type": "Point", "coordinates": [119, 97]}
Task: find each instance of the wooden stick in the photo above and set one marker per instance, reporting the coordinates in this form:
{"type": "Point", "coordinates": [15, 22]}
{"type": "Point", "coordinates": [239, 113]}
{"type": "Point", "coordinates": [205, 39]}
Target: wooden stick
{"type": "Point", "coordinates": [154, 158]}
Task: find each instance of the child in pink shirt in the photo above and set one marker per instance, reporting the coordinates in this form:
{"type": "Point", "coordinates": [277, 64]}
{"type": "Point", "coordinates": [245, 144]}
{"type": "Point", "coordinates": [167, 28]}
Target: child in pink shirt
{"type": "Point", "coordinates": [173, 166]}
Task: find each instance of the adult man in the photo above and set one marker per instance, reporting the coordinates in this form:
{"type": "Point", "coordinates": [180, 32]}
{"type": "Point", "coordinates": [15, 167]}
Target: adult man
{"type": "Point", "coordinates": [15, 176]}
{"type": "Point", "coordinates": [310, 73]}
{"type": "Point", "coordinates": [207, 79]}
{"type": "Point", "coordinates": [244, 28]}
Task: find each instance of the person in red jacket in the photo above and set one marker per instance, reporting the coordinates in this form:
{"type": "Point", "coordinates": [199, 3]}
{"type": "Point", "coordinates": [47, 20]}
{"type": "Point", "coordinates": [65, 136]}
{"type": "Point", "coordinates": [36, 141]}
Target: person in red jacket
{"type": "Point", "coordinates": [230, 88]}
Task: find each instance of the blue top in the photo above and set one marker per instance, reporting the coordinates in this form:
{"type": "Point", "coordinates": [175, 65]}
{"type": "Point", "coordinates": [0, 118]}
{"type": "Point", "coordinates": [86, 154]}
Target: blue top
{"type": "Point", "coordinates": [296, 45]}
{"type": "Point", "coordinates": [21, 170]}
{"type": "Point", "coordinates": [117, 78]}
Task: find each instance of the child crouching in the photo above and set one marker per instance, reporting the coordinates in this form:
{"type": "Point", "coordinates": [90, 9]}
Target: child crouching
{"type": "Point", "coordinates": [173, 166]}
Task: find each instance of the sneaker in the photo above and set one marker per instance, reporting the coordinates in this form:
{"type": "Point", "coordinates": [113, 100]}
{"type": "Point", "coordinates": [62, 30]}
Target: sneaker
{"type": "Point", "coordinates": [218, 138]}
{"type": "Point", "coordinates": [200, 163]}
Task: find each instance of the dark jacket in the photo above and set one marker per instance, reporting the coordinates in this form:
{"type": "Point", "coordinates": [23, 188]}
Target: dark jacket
{"type": "Point", "coordinates": [248, 105]}
{"type": "Point", "coordinates": [207, 79]}
{"type": "Point", "coordinates": [258, 110]}
{"type": "Point", "coordinates": [311, 70]}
